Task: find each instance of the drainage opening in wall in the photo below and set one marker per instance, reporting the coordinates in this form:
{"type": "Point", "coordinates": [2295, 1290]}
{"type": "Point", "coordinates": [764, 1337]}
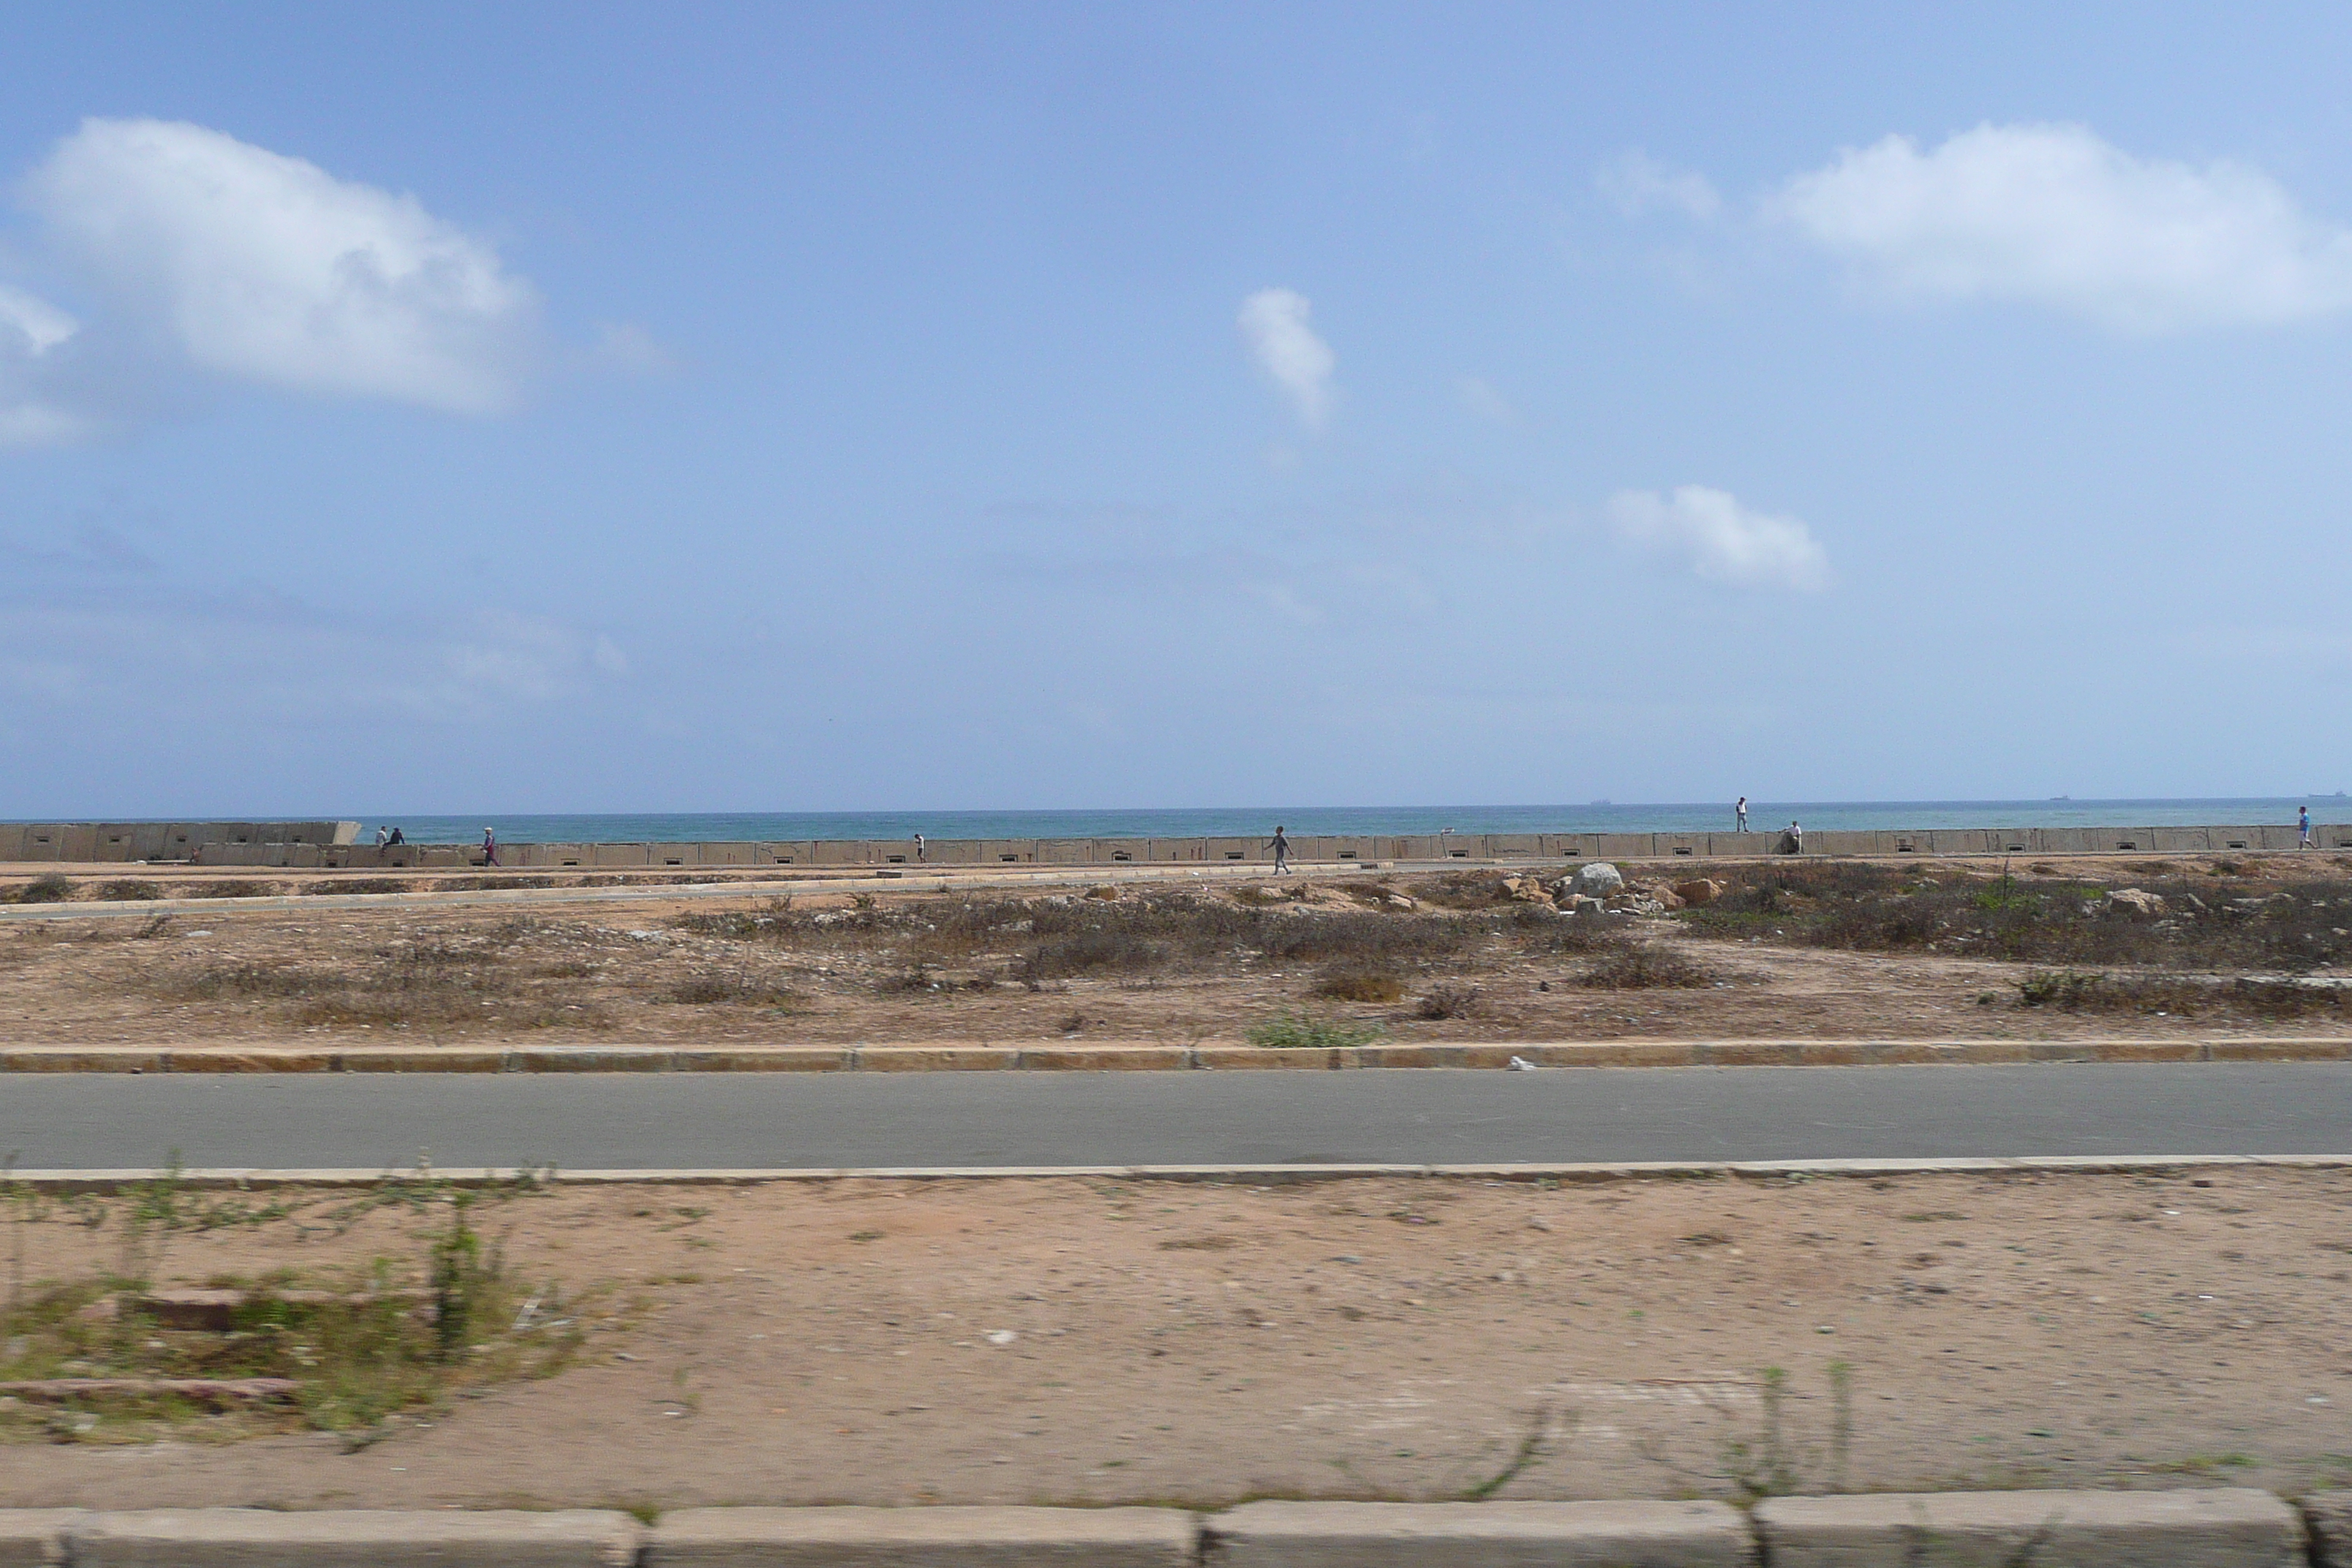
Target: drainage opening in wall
{"type": "Point", "coordinates": [1347, 855]}
{"type": "Point", "coordinates": [1682, 849]}
{"type": "Point", "coordinates": [1233, 854]}
{"type": "Point", "coordinates": [673, 862]}
{"type": "Point", "coordinates": [2237, 844]}
{"type": "Point", "coordinates": [1459, 853]}
{"type": "Point", "coordinates": [897, 859]}
{"type": "Point", "coordinates": [2128, 844]}
{"type": "Point", "coordinates": [571, 862]}
{"type": "Point", "coordinates": [1121, 855]}
{"type": "Point", "coordinates": [1008, 856]}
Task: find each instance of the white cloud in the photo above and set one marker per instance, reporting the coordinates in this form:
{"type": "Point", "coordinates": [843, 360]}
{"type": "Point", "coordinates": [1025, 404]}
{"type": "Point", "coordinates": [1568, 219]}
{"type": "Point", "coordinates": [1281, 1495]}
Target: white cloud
{"type": "Point", "coordinates": [268, 268]}
{"type": "Point", "coordinates": [1723, 541]}
{"type": "Point", "coordinates": [2055, 215]}
{"type": "Point", "coordinates": [1274, 325]}
{"type": "Point", "coordinates": [1639, 184]}
{"type": "Point", "coordinates": [31, 331]}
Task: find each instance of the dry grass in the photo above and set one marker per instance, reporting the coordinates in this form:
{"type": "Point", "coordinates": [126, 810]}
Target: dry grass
{"type": "Point", "coordinates": [463, 979]}
{"type": "Point", "coordinates": [2294, 922]}
{"type": "Point", "coordinates": [1645, 967]}
{"type": "Point", "coordinates": [1358, 982]}
{"type": "Point", "coordinates": [2072, 991]}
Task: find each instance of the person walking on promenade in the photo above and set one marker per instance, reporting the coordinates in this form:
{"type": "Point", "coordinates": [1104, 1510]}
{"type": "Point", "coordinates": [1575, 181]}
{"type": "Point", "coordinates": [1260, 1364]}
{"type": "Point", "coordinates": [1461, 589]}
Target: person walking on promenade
{"type": "Point", "coordinates": [2303, 824]}
{"type": "Point", "coordinates": [918, 845]}
{"type": "Point", "coordinates": [489, 847]}
{"type": "Point", "coordinates": [1741, 812]}
{"type": "Point", "coordinates": [1281, 847]}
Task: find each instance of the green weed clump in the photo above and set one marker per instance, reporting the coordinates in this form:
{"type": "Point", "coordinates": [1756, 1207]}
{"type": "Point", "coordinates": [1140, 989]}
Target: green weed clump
{"type": "Point", "coordinates": [1306, 1032]}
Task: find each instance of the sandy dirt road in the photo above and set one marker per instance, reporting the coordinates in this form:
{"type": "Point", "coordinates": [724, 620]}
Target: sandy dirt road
{"type": "Point", "coordinates": [1065, 1341]}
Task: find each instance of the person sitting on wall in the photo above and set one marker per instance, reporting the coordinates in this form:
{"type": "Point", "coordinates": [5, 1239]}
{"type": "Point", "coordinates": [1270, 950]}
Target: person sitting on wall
{"type": "Point", "coordinates": [1792, 839]}
{"type": "Point", "coordinates": [397, 838]}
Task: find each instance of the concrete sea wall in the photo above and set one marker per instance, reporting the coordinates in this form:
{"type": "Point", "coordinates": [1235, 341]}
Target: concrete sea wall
{"type": "Point", "coordinates": [1421, 848]}
{"type": "Point", "coordinates": [127, 841]}
{"type": "Point", "coordinates": [331, 844]}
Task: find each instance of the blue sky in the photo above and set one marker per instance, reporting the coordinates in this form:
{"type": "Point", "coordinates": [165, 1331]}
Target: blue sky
{"type": "Point", "coordinates": [576, 408]}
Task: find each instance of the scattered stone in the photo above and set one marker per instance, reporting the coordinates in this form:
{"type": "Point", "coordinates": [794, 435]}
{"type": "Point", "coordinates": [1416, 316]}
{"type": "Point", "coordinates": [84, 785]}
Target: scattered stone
{"type": "Point", "coordinates": [2134, 903]}
{"type": "Point", "coordinates": [1400, 902]}
{"type": "Point", "coordinates": [1527, 890]}
{"type": "Point", "coordinates": [1703, 891]}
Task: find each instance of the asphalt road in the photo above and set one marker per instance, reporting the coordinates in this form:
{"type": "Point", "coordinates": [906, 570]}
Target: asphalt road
{"type": "Point", "coordinates": [729, 1121]}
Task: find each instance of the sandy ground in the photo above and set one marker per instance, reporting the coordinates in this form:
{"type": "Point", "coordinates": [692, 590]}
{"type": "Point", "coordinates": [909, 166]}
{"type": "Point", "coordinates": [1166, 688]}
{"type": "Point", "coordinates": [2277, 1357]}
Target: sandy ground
{"type": "Point", "coordinates": [1069, 1341]}
{"type": "Point", "coordinates": [608, 974]}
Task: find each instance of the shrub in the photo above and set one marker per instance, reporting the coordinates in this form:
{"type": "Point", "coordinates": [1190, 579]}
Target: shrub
{"type": "Point", "coordinates": [1449, 999]}
{"type": "Point", "coordinates": [1302, 1031]}
{"type": "Point", "coordinates": [1645, 967]}
{"type": "Point", "coordinates": [49, 888]}
{"type": "Point", "coordinates": [2076, 991]}
{"type": "Point", "coordinates": [128, 889]}
{"type": "Point", "coordinates": [740, 990]}
{"type": "Point", "coordinates": [1357, 983]}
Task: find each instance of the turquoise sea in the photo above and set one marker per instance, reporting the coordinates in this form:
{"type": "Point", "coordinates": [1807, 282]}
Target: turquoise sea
{"type": "Point", "coordinates": [1600, 817]}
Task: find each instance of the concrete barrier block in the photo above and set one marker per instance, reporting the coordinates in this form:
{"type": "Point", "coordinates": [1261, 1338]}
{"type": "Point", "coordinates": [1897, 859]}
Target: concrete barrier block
{"type": "Point", "coordinates": [261, 1538]}
{"type": "Point", "coordinates": [2273, 837]}
{"type": "Point", "coordinates": [114, 841]}
{"type": "Point", "coordinates": [1008, 851]}
{"type": "Point", "coordinates": [1108, 850]}
{"type": "Point", "coordinates": [1680, 846]}
{"type": "Point", "coordinates": [35, 1537]}
{"type": "Point", "coordinates": [2224, 839]}
{"type": "Point", "coordinates": [1226, 851]}
{"type": "Point", "coordinates": [1738, 846]}
{"type": "Point", "coordinates": [45, 841]}
{"type": "Point", "coordinates": [78, 841]}
{"type": "Point", "coordinates": [620, 854]}
{"type": "Point", "coordinates": [12, 841]}
{"type": "Point", "coordinates": [2181, 841]}
{"type": "Point", "coordinates": [729, 853]}
{"type": "Point", "coordinates": [1065, 851]}
{"type": "Point", "coordinates": [2233, 1527]}
{"type": "Point", "coordinates": [842, 852]}
{"type": "Point", "coordinates": [1517, 845]}
{"type": "Point", "coordinates": [1318, 847]}
{"type": "Point", "coordinates": [800, 852]}
{"type": "Point", "coordinates": [1624, 846]}
{"type": "Point", "coordinates": [2065, 841]}
{"type": "Point", "coordinates": [1346, 850]}
{"type": "Point", "coordinates": [147, 840]}
{"type": "Point", "coordinates": [951, 852]}
{"type": "Point", "coordinates": [1479, 1535]}
{"type": "Point", "coordinates": [1188, 850]}
{"type": "Point", "coordinates": [920, 1538]}
{"type": "Point", "coordinates": [687, 854]}
{"type": "Point", "coordinates": [1411, 846]}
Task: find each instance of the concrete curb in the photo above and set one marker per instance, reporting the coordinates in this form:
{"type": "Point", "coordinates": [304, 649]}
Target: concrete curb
{"type": "Point", "coordinates": [1478, 1535]}
{"type": "Point", "coordinates": [2198, 1528]}
{"type": "Point", "coordinates": [2221, 1527]}
{"type": "Point", "coordinates": [922, 1538]}
{"type": "Point", "coordinates": [1137, 1057]}
{"type": "Point", "coordinates": [239, 1179]}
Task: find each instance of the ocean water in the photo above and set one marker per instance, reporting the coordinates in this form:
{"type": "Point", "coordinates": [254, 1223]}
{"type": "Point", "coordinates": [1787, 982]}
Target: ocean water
{"type": "Point", "coordinates": [1601, 816]}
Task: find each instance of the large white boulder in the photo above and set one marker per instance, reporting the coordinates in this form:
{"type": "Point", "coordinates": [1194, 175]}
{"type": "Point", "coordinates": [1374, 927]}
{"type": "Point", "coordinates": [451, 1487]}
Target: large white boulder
{"type": "Point", "coordinates": [1599, 879]}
